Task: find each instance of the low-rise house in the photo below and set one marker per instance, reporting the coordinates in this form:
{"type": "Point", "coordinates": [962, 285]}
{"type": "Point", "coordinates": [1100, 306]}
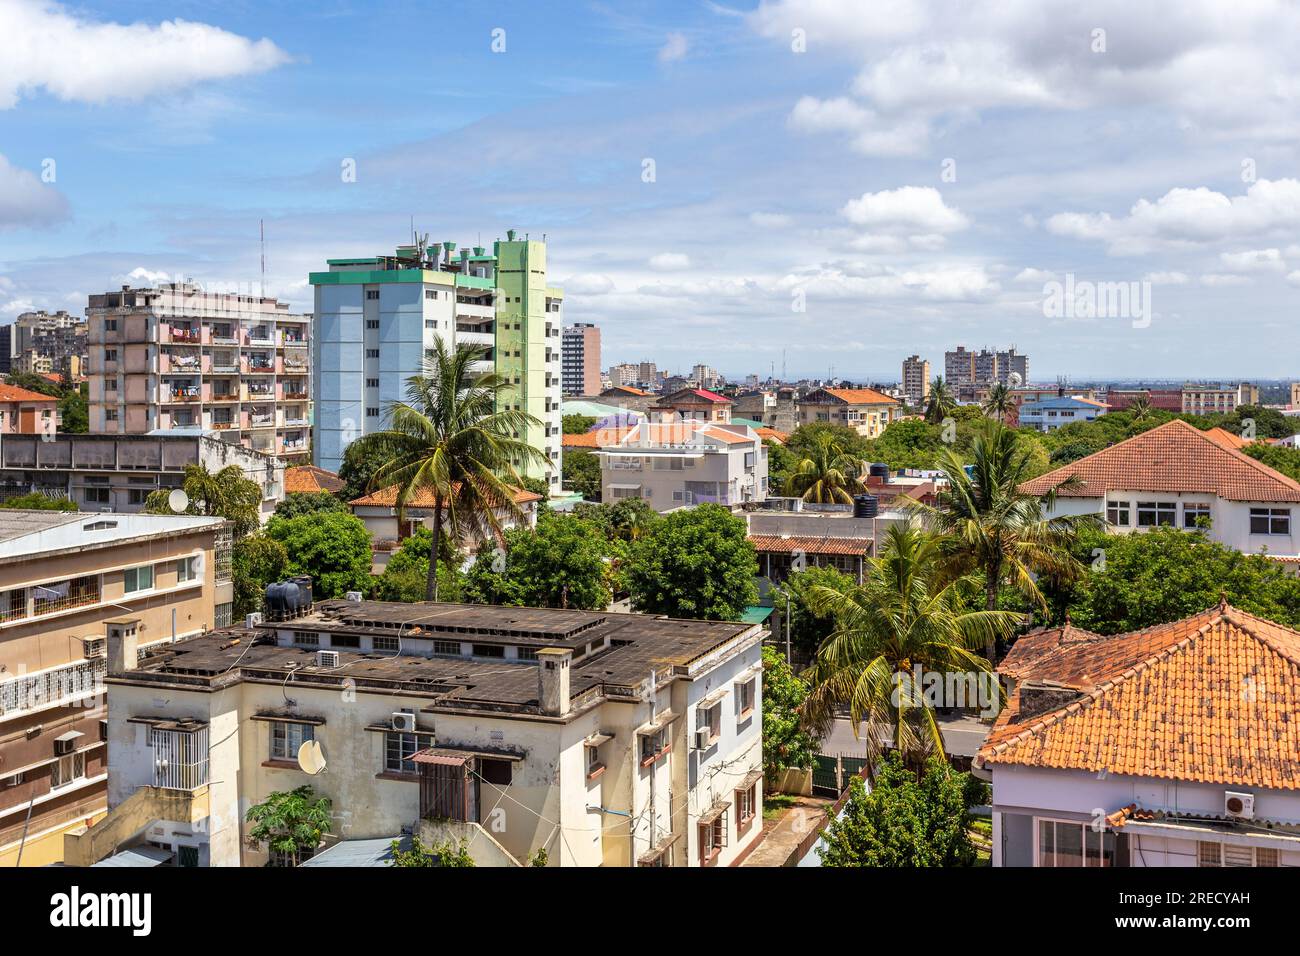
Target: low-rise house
{"type": "Point", "coordinates": [69, 581]}
{"type": "Point", "coordinates": [865, 410]}
{"type": "Point", "coordinates": [692, 405]}
{"type": "Point", "coordinates": [1178, 476]}
{"type": "Point", "coordinates": [1049, 414]}
{"type": "Point", "coordinates": [308, 479]}
{"type": "Point", "coordinates": [603, 739]}
{"type": "Point", "coordinates": [1177, 745]}
{"type": "Point", "coordinates": [687, 463]}
{"type": "Point", "coordinates": [24, 412]}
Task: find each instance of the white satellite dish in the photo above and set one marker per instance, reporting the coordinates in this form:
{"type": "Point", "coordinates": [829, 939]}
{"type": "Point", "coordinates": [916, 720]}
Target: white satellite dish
{"type": "Point", "coordinates": [311, 759]}
{"type": "Point", "coordinates": [178, 500]}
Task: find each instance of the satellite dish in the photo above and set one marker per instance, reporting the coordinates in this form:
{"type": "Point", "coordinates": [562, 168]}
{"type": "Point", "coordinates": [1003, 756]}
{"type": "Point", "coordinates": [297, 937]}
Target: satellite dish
{"type": "Point", "coordinates": [178, 500]}
{"type": "Point", "coordinates": [311, 759]}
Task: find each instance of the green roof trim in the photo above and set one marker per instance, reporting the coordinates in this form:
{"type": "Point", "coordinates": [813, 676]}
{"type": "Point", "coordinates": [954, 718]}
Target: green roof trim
{"type": "Point", "coordinates": [380, 276]}
{"type": "Point", "coordinates": [755, 614]}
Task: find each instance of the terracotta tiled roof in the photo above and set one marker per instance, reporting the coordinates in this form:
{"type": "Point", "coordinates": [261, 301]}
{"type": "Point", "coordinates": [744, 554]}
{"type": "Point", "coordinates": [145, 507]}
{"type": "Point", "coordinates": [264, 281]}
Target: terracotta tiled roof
{"type": "Point", "coordinates": [387, 498]}
{"type": "Point", "coordinates": [1175, 457]}
{"type": "Point", "coordinates": [1226, 438]}
{"type": "Point", "coordinates": [855, 396]}
{"type": "Point", "coordinates": [1213, 698]}
{"type": "Point", "coordinates": [676, 433]}
{"type": "Point", "coordinates": [12, 393]}
{"type": "Point", "coordinates": [625, 389]}
{"type": "Point", "coordinates": [597, 438]}
{"type": "Point", "coordinates": [773, 434]}
{"type": "Point", "coordinates": [306, 479]}
{"type": "Point", "coordinates": [810, 544]}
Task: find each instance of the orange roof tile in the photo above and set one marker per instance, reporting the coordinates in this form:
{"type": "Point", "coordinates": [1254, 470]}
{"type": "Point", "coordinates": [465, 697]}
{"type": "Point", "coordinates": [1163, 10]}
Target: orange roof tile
{"type": "Point", "coordinates": [306, 479]}
{"type": "Point", "coordinates": [387, 498]}
{"type": "Point", "coordinates": [1213, 698]}
{"type": "Point", "coordinates": [12, 393]}
{"type": "Point", "coordinates": [855, 396]}
{"type": "Point", "coordinates": [773, 434]}
{"type": "Point", "coordinates": [810, 544]}
{"type": "Point", "coordinates": [1226, 438]}
{"type": "Point", "coordinates": [596, 438]}
{"type": "Point", "coordinates": [1174, 457]}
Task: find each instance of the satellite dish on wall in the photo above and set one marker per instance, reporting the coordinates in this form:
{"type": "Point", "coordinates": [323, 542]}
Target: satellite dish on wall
{"type": "Point", "coordinates": [178, 500]}
{"type": "Point", "coordinates": [311, 759]}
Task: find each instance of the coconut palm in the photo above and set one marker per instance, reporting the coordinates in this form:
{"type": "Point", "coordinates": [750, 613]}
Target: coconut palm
{"type": "Point", "coordinates": [225, 493]}
{"type": "Point", "coordinates": [826, 475]}
{"type": "Point", "coordinates": [998, 402]}
{"type": "Point", "coordinates": [1140, 408]}
{"type": "Point", "coordinates": [991, 527]}
{"type": "Point", "coordinates": [454, 441]}
{"type": "Point", "coordinates": [940, 403]}
{"type": "Point", "coordinates": [905, 618]}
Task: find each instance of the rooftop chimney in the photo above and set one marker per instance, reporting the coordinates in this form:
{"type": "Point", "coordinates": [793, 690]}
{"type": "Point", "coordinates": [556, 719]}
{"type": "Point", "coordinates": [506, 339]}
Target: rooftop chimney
{"type": "Point", "coordinates": [123, 644]}
{"type": "Point", "coordinates": [553, 680]}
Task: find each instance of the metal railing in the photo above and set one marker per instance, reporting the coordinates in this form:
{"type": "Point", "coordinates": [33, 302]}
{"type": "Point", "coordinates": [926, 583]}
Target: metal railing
{"type": "Point", "coordinates": [55, 686]}
{"type": "Point", "coordinates": [180, 758]}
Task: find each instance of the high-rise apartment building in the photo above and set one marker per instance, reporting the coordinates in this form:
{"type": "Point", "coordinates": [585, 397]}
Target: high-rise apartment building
{"type": "Point", "coordinates": [962, 367]}
{"type": "Point", "coordinates": [916, 380]}
{"type": "Point", "coordinates": [580, 348]}
{"type": "Point", "coordinates": [376, 318]}
{"type": "Point", "coordinates": [706, 376]}
{"type": "Point", "coordinates": [959, 367]}
{"type": "Point", "coordinates": [47, 343]}
{"type": "Point", "coordinates": [176, 356]}
{"type": "Point", "coordinates": [1012, 363]}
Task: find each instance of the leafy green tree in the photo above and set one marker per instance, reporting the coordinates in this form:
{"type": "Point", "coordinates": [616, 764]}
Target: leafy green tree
{"type": "Point", "coordinates": [580, 472]}
{"type": "Point", "coordinates": [299, 503]}
{"type": "Point", "coordinates": [255, 561]}
{"type": "Point", "coordinates": [940, 402]}
{"type": "Point", "coordinates": [991, 527]}
{"type": "Point", "coordinates": [826, 475]}
{"type": "Point", "coordinates": [808, 628]}
{"type": "Point", "coordinates": [222, 494]}
{"type": "Point", "coordinates": [623, 520]}
{"type": "Point", "coordinates": [74, 412]}
{"type": "Point", "coordinates": [357, 470]}
{"type": "Point", "coordinates": [35, 501]}
{"type": "Point", "coordinates": [330, 547]}
{"type": "Point", "coordinates": [1165, 574]}
{"type": "Point", "coordinates": [1278, 457]}
{"type": "Point", "coordinates": [903, 821]}
{"type": "Point", "coordinates": [405, 577]}
{"type": "Point", "coordinates": [806, 439]}
{"type": "Point", "coordinates": [694, 563]}
{"type": "Point", "coordinates": [577, 424]}
{"type": "Point", "coordinates": [999, 402]}
{"type": "Point", "coordinates": [904, 617]}
{"type": "Point", "coordinates": [564, 563]}
{"type": "Point", "coordinates": [34, 383]}
{"type": "Point", "coordinates": [437, 854]}
{"type": "Point", "coordinates": [787, 743]}
{"type": "Point", "coordinates": [291, 824]}
{"type": "Point", "coordinates": [452, 439]}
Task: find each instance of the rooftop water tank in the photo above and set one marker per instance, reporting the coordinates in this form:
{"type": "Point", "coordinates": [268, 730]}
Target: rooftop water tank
{"type": "Point", "coordinates": [865, 506]}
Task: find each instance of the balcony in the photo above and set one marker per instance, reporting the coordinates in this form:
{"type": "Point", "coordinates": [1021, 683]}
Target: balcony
{"type": "Point", "coordinates": [189, 336]}
{"type": "Point", "coordinates": [52, 688]}
{"type": "Point", "coordinates": [224, 397]}
{"type": "Point", "coordinates": [188, 394]}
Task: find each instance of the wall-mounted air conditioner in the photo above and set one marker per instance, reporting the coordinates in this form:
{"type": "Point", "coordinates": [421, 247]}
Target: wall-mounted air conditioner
{"type": "Point", "coordinates": [1240, 806]}
{"type": "Point", "coordinates": [327, 658]}
{"type": "Point", "coordinates": [404, 722]}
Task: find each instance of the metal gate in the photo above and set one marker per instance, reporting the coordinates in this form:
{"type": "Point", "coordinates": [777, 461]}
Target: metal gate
{"type": "Point", "coordinates": [832, 773]}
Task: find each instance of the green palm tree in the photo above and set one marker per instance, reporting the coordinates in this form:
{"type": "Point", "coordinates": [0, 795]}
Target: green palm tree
{"type": "Point", "coordinates": [998, 402]}
{"type": "Point", "coordinates": [826, 475]}
{"type": "Point", "coordinates": [454, 439]}
{"type": "Point", "coordinates": [226, 493]}
{"type": "Point", "coordinates": [1140, 408]}
{"type": "Point", "coordinates": [990, 527]}
{"type": "Point", "coordinates": [904, 617]}
{"type": "Point", "coordinates": [940, 402]}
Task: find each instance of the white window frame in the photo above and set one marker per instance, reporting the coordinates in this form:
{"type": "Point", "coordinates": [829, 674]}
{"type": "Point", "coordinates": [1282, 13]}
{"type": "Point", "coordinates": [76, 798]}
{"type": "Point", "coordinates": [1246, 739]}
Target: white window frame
{"type": "Point", "coordinates": [131, 579]}
{"type": "Point", "coordinates": [1270, 515]}
{"type": "Point", "coordinates": [1222, 851]}
{"type": "Point", "coordinates": [67, 770]}
{"type": "Point", "coordinates": [1119, 514]}
{"type": "Point", "coordinates": [1085, 827]}
{"type": "Point", "coordinates": [286, 737]}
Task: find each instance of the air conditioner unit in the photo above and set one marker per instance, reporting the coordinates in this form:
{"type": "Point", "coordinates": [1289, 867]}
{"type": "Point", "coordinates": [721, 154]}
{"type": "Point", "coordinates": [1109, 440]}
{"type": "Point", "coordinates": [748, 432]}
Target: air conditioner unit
{"type": "Point", "coordinates": [403, 721]}
{"type": "Point", "coordinates": [327, 658]}
{"type": "Point", "coordinates": [13, 780]}
{"type": "Point", "coordinates": [353, 596]}
{"type": "Point", "coordinates": [253, 620]}
{"type": "Point", "coordinates": [703, 737]}
{"type": "Point", "coordinates": [62, 747]}
{"type": "Point", "coordinates": [94, 647]}
{"type": "Point", "coordinates": [1240, 806]}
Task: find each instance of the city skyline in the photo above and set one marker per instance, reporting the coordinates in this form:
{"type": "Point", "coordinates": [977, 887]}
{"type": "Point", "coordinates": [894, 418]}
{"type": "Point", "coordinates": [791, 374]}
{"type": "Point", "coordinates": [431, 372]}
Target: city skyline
{"type": "Point", "coordinates": [701, 172]}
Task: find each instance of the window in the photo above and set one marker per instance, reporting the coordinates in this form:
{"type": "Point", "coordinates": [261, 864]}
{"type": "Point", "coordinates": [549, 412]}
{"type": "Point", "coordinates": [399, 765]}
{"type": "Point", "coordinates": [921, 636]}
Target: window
{"type": "Point", "coordinates": [526, 653]}
{"type": "Point", "coordinates": [385, 644]}
{"type": "Point", "coordinates": [1230, 854]}
{"type": "Point", "coordinates": [372, 353]}
{"type": "Point", "coordinates": [187, 570]}
{"type": "Point", "coordinates": [1062, 844]}
{"type": "Point", "coordinates": [713, 837]}
{"type": "Point", "coordinates": [489, 650]}
{"type": "Point", "coordinates": [498, 772]}
{"type": "Point", "coordinates": [61, 595]}
{"type": "Point", "coordinates": [745, 693]}
{"type": "Point", "coordinates": [430, 293]}
{"type": "Point", "coordinates": [137, 579]}
{"type": "Point", "coordinates": [67, 770]}
{"type": "Point", "coordinates": [372, 294]}
{"type": "Point", "coordinates": [137, 496]}
{"type": "Point", "coordinates": [595, 766]}
{"type": "Point", "coordinates": [653, 746]}
{"type": "Point", "coordinates": [286, 738]}
{"type": "Point", "coordinates": [110, 355]}
{"type": "Point", "coordinates": [710, 718]}
{"type": "Point", "coordinates": [447, 647]}
{"type": "Point", "coordinates": [372, 383]}
{"type": "Point", "coordinates": [13, 604]}
{"type": "Point", "coordinates": [346, 641]}
{"type": "Point", "coordinates": [1270, 520]}
{"type": "Point", "coordinates": [110, 325]}
{"type": "Point", "coordinates": [110, 414]}
{"type": "Point", "coordinates": [372, 413]}
{"type": "Point", "coordinates": [1157, 513]}
{"type": "Point", "coordinates": [96, 496]}
{"type": "Point", "coordinates": [746, 804]}
{"type": "Point", "coordinates": [400, 747]}
{"type": "Point", "coordinates": [1117, 514]}
{"type": "Point", "coordinates": [1192, 515]}
{"type": "Point", "coordinates": [306, 639]}
{"type": "Point", "coordinates": [430, 324]}
{"type": "Point", "coordinates": [372, 323]}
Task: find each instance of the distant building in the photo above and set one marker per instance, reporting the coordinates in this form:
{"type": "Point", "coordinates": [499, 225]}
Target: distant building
{"type": "Point", "coordinates": [6, 347]}
{"type": "Point", "coordinates": [705, 376]}
{"type": "Point", "coordinates": [69, 584]}
{"type": "Point", "coordinates": [50, 342]}
{"type": "Point", "coordinates": [692, 405]}
{"type": "Point", "coordinates": [985, 367]}
{"type": "Point", "coordinates": [687, 463]}
{"type": "Point", "coordinates": [916, 380]}
{"type": "Point", "coordinates": [580, 362]}
{"type": "Point", "coordinates": [1049, 414]}
{"type": "Point", "coordinates": [865, 410]}
{"type": "Point", "coordinates": [24, 412]}
{"type": "Point", "coordinates": [1211, 399]}
{"type": "Point", "coordinates": [1295, 395]}
{"type": "Point", "coordinates": [1165, 399]}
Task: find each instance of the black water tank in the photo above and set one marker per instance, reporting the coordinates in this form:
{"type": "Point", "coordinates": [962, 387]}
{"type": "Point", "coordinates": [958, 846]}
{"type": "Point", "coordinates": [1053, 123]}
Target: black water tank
{"type": "Point", "coordinates": [866, 506]}
{"type": "Point", "coordinates": [878, 470]}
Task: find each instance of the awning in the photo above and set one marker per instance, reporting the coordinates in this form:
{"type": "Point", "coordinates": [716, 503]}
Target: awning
{"type": "Point", "coordinates": [713, 698]}
{"type": "Point", "coordinates": [751, 778]}
{"type": "Point", "coordinates": [756, 614]}
{"type": "Point", "coordinates": [662, 720]}
{"type": "Point", "coordinates": [624, 487]}
{"type": "Point", "coordinates": [440, 758]}
{"type": "Point", "coordinates": [455, 756]}
{"type": "Point", "coordinates": [649, 856]}
{"type": "Point", "coordinates": [712, 814]}
{"type": "Point", "coordinates": [69, 737]}
{"type": "Point", "coordinates": [595, 740]}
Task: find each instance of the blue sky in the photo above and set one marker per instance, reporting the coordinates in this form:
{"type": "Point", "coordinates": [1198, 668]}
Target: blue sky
{"type": "Point", "coordinates": [831, 189]}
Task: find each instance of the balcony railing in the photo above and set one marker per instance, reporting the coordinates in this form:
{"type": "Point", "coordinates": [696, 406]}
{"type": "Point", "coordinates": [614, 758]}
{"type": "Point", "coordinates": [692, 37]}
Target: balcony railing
{"type": "Point", "coordinates": [53, 687]}
{"type": "Point", "coordinates": [180, 758]}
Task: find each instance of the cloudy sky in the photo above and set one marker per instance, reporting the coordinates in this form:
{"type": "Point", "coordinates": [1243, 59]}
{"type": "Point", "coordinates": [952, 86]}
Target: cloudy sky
{"type": "Point", "coordinates": [828, 183]}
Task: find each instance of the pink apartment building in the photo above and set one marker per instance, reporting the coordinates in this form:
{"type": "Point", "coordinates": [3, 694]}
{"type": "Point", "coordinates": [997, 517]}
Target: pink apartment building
{"type": "Point", "coordinates": [24, 412]}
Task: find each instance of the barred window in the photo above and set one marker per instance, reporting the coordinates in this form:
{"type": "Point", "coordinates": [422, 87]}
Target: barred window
{"type": "Point", "coordinates": [400, 747]}
{"type": "Point", "coordinates": [61, 595]}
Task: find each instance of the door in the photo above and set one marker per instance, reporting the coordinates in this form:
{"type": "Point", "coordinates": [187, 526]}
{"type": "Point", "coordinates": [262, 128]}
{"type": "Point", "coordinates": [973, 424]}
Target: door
{"type": "Point", "coordinates": [27, 421]}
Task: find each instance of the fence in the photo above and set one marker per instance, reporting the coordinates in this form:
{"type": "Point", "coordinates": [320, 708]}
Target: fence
{"type": "Point", "coordinates": [832, 773]}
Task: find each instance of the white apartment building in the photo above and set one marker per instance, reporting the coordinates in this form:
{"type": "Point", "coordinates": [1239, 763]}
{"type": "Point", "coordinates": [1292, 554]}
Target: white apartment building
{"type": "Point", "coordinates": [685, 463]}
{"type": "Point", "coordinates": [1213, 399]}
{"type": "Point", "coordinates": [1178, 476]}
{"type": "Point", "coordinates": [603, 739]}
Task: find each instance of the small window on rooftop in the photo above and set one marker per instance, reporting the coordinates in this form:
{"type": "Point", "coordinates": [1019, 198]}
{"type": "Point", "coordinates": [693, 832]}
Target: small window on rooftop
{"type": "Point", "coordinates": [489, 650]}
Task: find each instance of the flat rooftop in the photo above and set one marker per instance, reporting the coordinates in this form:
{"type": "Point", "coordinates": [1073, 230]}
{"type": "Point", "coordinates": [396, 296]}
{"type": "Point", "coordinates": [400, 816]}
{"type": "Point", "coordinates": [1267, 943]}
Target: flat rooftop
{"type": "Point", "coordinates": [631, 646]}
{"type": "Point", "coordinates": [28, 534]}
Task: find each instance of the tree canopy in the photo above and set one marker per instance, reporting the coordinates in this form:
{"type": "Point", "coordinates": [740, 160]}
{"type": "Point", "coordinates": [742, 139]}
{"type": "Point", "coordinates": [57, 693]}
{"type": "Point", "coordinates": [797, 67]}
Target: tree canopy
{"type": "Point", "coordinates": [787, 743]}
{"type": "Point", "coordinates": [330, 547]}
{"type": "Point", "coordinates": [694, 563]}
{"type": "Point", "coordinates": [565, 562]}
{"type": "Point", "coordinates": [299, 503]}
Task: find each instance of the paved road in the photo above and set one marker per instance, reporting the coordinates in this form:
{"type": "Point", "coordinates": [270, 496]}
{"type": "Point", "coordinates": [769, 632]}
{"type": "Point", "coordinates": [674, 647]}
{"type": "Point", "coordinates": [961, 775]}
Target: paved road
{"type": "Point", "coordinates": [962, 737]}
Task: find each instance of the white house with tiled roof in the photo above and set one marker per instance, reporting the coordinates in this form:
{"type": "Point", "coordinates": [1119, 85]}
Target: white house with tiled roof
{"type": "Point", "coordinates": [679, 464]}
{"type": "Point", "coordinates": [865, 410]}
{"type": "Point", "coordinates": [1176, 475]}
{"type": "Point", "coordinates": [1178, 745]}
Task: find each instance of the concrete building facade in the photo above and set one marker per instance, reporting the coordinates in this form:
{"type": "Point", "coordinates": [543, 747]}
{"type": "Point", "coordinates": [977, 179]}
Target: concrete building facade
{"type": "Point", "coordinates": [580, 347]}
{"type": "Point", "coordinates": [682, 464]}
{"type": "Point", "coordinates": [49, 343]}
{"type": "Point", "coordinates": [916, 380]}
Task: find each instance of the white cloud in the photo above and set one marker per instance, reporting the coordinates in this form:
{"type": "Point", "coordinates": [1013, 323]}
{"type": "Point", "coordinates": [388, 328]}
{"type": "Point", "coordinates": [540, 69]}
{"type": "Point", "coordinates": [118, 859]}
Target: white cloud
{"type": "Point", "coordinates": [75, 58]}
{"type": "Point", "coordinates": [1257, 260]}
{"type": "Point", "coordinates": [908, 209]}
{"type": "Point", "coordinates": [674, 48]}
{"type": "Point", "coordinates": [1215, 280]}
{"type": "Point", "coordinates": [1293, 278]}
{"type": "Point", "coordinates": [147, 276]}
{"type": "Point", "coordinates": [588, 283]}
{"type": "Point", "coordinates": [769, 220]}
{"type": "Point", "coordinates": [670, 261]}
{"type": "Point", "coordinates": [872, 135]}
{"type": "Point", "coordinates": [1167, 278]}
{"type": "Point", "coordinates": [1034, 275]}
{"type": "Point", "coordinates": [26, 201]}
